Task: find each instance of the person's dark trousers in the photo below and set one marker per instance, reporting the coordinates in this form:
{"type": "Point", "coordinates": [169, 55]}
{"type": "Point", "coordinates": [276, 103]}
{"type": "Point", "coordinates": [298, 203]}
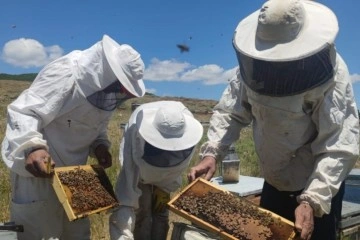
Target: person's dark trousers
{"type": "Point", "coordinates": [284, 204]}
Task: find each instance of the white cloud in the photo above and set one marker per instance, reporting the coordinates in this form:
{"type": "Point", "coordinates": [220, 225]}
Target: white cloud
{"type": "Point", "coordinates": [27, 53]}
{"type": "Point", "coordinates": [355, 77]}
{"type": "Point", "coordinates": [172, 70]}
{"type": "Point", "coordinates": [167, 70]}
{"type": "Point", "coordinates": [151, 90]}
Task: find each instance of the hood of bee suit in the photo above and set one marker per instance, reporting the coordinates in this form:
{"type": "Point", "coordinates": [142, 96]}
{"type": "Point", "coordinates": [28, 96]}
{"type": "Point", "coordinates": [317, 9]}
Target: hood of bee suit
{"type": "Point", "coordinates": [93, 71]}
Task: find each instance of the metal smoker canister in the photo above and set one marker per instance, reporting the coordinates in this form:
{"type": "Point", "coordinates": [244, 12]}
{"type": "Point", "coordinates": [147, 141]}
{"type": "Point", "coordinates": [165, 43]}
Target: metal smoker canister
{"type": "Point", "coordinates": [230, 166]}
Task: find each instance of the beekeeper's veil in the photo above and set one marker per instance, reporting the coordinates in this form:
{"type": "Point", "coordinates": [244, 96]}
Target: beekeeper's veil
{"type": "Point", "coordinates": [113, 73]}
{"type": "Point", "coordinates": [286, 47]}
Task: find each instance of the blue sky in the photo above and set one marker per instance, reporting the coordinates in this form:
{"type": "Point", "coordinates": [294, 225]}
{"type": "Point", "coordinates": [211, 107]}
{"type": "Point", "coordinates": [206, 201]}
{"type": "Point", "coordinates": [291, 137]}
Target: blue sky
{"type": "Point", "coordinates": [50, 29]}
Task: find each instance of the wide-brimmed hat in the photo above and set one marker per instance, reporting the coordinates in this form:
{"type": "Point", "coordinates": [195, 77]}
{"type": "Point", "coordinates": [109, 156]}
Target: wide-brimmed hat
{"type": "Point", "coordinates": [285, 30]}
{"type": "Point", "coordinates": [169, 127]}
{"type": "Point", "coordinates": [127, 65]}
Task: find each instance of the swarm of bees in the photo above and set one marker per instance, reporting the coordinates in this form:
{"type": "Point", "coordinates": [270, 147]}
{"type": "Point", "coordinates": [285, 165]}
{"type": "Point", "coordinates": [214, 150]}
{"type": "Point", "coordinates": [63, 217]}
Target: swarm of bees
{"type": "Point", "coordinates": [183, 48]}
{"type": "Point", "coordinates": [87, 192]}
{"type": "Point", "coordinates": [229, 213]}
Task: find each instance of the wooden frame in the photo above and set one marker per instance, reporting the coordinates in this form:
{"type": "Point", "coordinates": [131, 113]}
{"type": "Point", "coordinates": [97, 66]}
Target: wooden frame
{"type": "Point", "coordinates": [201, 186]}
{"type": "Point", "coordinates": [64, 195]}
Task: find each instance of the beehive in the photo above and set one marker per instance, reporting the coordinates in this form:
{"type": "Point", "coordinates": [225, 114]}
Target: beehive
{"type": "Point", "coordinates": [280, 228]}
{"type": "Point", "coordinates": [98, 190]}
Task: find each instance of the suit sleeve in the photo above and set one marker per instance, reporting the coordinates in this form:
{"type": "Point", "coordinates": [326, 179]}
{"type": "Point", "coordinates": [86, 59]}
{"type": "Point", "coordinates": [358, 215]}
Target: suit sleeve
{"type": "Point", "coordinates": [33, 110]}
{"type": "Point", "coordinates": [336, 147]}
{"type": "Point", "coordinates": [231, 114]}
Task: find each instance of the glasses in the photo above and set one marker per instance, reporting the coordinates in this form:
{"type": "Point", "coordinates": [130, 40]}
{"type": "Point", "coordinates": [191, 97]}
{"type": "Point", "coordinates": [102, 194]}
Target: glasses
{"type": "Point", "coordinates": [110, 97]}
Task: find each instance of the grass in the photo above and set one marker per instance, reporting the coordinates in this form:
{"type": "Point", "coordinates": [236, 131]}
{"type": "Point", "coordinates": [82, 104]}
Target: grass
{"type": "Point", "coordinates": [9, 90]}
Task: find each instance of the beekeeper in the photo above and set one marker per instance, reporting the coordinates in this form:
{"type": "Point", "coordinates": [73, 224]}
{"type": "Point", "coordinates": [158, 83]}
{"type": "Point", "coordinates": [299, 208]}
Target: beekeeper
{"type": "Point", "coordinates": [295, 90]}
{"type": "Point", "coordinates": [158, 144]}
{"type": "Point", "coordinates": [64, 115]}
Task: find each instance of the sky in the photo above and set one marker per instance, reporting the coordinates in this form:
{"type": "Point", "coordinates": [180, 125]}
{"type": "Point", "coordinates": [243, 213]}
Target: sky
{"type": "Point", "coordinates": [35, 32]}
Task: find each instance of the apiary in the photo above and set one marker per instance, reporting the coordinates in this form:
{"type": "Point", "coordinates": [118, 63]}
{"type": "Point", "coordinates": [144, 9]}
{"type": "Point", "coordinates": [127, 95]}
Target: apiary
{"type": "Point", "coordinates": [83, 190]}
{"type": "Point", "coordinates": [227, 215]}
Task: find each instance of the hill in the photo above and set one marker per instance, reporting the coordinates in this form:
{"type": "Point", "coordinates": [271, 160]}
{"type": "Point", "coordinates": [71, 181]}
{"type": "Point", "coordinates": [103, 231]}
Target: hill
{"type": "Point", "coordinates": [10, 90]}
{"type": "Point", "coordinates": [19, 77]}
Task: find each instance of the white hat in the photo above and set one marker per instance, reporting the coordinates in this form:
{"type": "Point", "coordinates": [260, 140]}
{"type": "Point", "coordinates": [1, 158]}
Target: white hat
{"type": "Point", "coordinates": [127, 65]}
{"type": "Point", "coordinates": [169, 128]}
{"type": "Point", "coordinates": [285, 30]}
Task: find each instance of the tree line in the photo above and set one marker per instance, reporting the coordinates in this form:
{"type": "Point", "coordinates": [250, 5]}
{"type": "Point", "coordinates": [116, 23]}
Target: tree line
{"type": "Point", "coordinates": [19, 77]}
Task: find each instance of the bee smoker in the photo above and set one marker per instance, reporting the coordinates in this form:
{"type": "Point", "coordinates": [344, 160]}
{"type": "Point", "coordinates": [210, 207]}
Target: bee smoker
{"type": "Point", "coordinates": [230, 166]}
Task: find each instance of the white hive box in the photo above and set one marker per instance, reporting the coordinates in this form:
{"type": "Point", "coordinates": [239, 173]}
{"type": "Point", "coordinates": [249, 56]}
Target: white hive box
{"type": "Point", "coordinates": [349, 226]}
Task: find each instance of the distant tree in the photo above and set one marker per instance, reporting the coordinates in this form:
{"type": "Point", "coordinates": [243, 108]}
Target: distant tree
{"type": "Point", "coordinates": [20, 77]}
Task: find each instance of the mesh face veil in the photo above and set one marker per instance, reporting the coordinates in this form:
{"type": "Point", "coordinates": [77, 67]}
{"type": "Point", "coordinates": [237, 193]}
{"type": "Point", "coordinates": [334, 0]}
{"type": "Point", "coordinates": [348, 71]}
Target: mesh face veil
{"type": "Point", "coordinates": [163, 158]}
{"type": "Point", "coordinates": [111, 97]}
{"type": "Point", "coordinates": [289, 77]}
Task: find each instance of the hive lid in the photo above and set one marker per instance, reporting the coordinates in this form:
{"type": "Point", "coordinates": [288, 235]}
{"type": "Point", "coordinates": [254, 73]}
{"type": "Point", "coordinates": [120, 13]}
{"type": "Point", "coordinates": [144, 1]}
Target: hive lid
{"type": "Point", "coordinates": [350, 214]}
{"type": "Point", "coordinates": [354, 174]}
{"type": "Point", "coordinates": [244, 187]}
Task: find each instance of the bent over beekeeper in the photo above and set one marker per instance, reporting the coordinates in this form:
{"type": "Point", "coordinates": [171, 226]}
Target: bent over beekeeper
{"type": "Point", "coordinates": [158, 144]}
{"type": "Point", "coordinates": [64, 115]}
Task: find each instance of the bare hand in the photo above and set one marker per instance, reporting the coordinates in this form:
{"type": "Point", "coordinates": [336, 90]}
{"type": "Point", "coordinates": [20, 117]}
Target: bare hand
{"type": "Point", "coordinates": [103, 156]}
{"type": "Point", "coordinates": [304, 220]}
{"type": "Point", "coordinates": [207, 166]}
{"type": "Point", "coordinates": [36, 163]}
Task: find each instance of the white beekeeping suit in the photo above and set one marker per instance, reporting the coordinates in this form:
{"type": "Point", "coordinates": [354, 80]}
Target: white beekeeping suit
{"type": "Point", "coordinates": [148, 170]}
{"type": "Point", "coordinates": [65, 111]}
{"type": "Point", "coordinates": [295, 90]}
{"type": "Point", "coordinates": [295, 163]}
